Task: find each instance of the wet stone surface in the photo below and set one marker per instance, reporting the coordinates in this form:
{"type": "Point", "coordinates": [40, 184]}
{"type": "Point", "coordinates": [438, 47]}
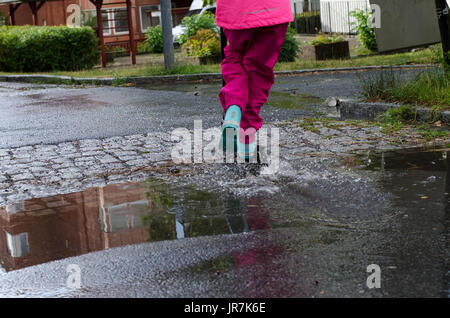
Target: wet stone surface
{"type": "Point", "coordinates": [41, 170]}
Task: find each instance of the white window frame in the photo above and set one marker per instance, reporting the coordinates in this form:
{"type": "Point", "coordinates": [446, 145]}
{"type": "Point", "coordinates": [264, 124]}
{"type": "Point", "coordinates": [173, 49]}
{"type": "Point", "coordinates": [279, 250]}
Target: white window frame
{"type": "Point", "coordinates": [14, 243]}
{"type": "Point", "coordinates": [148, 6]}
{"type": "Point", "coordinates": [114, 21]}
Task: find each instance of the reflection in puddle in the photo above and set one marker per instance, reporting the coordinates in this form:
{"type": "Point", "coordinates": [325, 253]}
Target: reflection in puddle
{"type": "Point", "coordinates": [44, 229]}
{"type": "Point", "coordinates": [408, 160]}
{"type": "Point", "coordinates": [326, 230]}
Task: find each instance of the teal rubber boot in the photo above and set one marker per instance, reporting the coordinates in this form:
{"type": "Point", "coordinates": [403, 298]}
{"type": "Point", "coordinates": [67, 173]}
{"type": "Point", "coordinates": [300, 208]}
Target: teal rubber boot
{"type": "Point", "coordinates": [247, 152]}
{"type": "Point", "coordinates": [232, 121]}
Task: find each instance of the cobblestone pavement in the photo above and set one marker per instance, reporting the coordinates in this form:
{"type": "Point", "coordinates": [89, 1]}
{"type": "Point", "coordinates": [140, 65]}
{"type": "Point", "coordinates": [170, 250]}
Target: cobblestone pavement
{"type": "Point", "coordinates": [44, 170]}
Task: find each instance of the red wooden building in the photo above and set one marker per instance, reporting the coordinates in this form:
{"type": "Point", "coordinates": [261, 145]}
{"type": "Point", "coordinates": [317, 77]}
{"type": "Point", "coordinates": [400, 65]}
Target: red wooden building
{"type": "Point", "coordinates": [118, 16]}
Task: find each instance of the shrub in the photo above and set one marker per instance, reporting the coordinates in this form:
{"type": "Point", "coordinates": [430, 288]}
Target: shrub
{"type": "Point", "coordinates": [196, 22]}
{"type": "Point", "coordinates": [290, 48]}
{"type": "Point", "coordinates": [204, 43]}
{"type": "Point", "coordinates": [326, 39]}
{"type": "Point", "coordinates": [36, 49]}
{"type": "Point", "coordinates": [142, 47]}
{"type": "Point", "coordinates": [362, 28]}
{"type": "Point", "coordinates": [154, 39]}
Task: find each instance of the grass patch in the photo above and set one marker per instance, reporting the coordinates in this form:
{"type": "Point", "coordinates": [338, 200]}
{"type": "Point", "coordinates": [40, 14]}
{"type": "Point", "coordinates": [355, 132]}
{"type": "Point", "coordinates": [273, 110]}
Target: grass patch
{"type": "Point", "coordinates": [309, 124]}
{"type": "Point", "coordinates": [429, 88]}
{"type": "Point", "coordinates": [425, 56]}
{"type": "Point", "coordinates": [396, 119]}
{"type": "Point", "coordinates": [429, 133]}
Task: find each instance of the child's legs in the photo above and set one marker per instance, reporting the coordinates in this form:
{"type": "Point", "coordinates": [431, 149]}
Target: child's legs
{"type": "Point", "coordinates": [259, 61]}
{"type": "Point", "coordinates": [235, 91]}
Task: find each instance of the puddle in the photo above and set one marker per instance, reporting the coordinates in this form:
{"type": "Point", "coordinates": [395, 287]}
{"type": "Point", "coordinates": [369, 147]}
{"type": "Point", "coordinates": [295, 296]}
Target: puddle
{"type": "Point", "coordinates": [40, 230]}
{"type": "Point", "coordinates": [404, 160]}
{"type": "Point", "coordinates": [296, 100]}
{"type": "Point", "coordinates": [335, 229]}
{"type": "Point", "coordinates": [292, 99]}
{"type": "Point", "coordinates": [198, 89]}
{"type": "Point", "coordinates": [74, 101]}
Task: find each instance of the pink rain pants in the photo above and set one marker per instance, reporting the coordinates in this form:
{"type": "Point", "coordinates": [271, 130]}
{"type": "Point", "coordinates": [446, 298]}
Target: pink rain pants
{"type": "Point", "coordinates": [247, 69]}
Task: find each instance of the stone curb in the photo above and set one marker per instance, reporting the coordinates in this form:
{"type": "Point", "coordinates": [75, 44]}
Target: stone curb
{"type": "Point", "coordinates": [164, 79]}
{"type": "Point", "coordinates": [357, 109]}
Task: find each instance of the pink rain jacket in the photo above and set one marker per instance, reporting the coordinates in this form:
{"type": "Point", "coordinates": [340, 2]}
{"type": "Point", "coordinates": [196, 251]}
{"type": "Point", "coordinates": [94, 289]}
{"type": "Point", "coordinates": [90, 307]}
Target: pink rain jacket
{"type": "Point", "coordinates": [248, 14]}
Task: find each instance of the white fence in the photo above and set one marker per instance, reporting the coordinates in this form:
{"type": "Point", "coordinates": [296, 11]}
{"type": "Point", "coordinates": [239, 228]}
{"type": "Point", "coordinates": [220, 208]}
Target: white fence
{"type": "Point", "coordinates": [335, 15]}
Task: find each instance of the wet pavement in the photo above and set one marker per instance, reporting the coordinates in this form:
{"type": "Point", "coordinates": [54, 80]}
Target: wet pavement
{"type": "Point", "coordinates": [47, 114]}
{"type": "Point", "coordinates": [299, 237]}
{"type": "Point", "coordinates": [107, 198]}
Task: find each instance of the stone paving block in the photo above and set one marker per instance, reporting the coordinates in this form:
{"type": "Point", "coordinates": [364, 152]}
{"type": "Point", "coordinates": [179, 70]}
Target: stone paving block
{"type": "Point", "coordinates": [4, 152]}
{"type": "Point", "coordinates": [4, 185]}
{"type": "Point", "coordinates": [22, 176]}
{"type": "Point", "coordinates": [138, 163]}
{"type": "Point", "coordinates": [106, 159]}
{"type": "Point", "coordinates": [70, 173]}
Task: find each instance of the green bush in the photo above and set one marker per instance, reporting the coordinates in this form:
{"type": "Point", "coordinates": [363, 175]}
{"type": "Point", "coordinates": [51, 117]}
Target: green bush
{"type": "Point", "coordinates": [37, 49]}
{"type": "Point", "coordinates": [290, 48]}
{"type": "Point", "coordinates": [362, 28]}
{"type": "Point", "coordinates": [142, 47]}
{"type": "Point", "coordinates": [154, 39]}
{"type": "Point", "coordinates": [326, 39]}
{"type": "Point", "coordinates": [196, 22]}
{"type": "Point", "coordinates": [204, 43]}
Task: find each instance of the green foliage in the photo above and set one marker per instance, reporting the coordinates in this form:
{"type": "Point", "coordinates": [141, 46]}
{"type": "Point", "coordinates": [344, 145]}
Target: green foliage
{"type": "Point", "coordinates": [428, 88]}
{"type": "Point", "coordinates": [427, 131]}
{"type": "Point", "coordinates": [208, 2]}
{"type": "Point", "coordinates": [192, 24]}
{"type": "Point", "coordinates": [290, 49]}
{"type": "Point", "coordinates": [377, 85]}
{"type": "Point", "coordinates": [204, 43]}
{"type": "Point", "coordinates": [398, 114]}
{"type": "Point", "coordinates": [160, 222]}
{"type": "Point", "coordinates": [47, 48]}
{"type": "Point", "coordinates": [142, 47]}
{"type": "Point", "coordinates": [154, 39]}
{"type": "Point", "coordinates": [89, 18]}
{"type": "Point", "coordinates": [365, 32]}
{"type": "Point", "coordinates": [327, 39]}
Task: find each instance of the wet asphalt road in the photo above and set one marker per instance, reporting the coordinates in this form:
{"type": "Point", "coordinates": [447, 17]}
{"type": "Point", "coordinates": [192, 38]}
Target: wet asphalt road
{"type": "Point", "coordinates": [36, 114]}
{"type": "Point", "coordinates": [318, 242]}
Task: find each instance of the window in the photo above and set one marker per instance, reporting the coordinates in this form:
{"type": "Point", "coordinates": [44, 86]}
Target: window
{"type": "Point", "coordinates": [89, 18]}
{"type": "Point", "coordinates": [150, 16]}
{"type": "Point", "coordinates": [18, 244]}
{"type": "Point", "coordinates": [120, 20]}
{"type": "Point", "coordinates": [123, 216]}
